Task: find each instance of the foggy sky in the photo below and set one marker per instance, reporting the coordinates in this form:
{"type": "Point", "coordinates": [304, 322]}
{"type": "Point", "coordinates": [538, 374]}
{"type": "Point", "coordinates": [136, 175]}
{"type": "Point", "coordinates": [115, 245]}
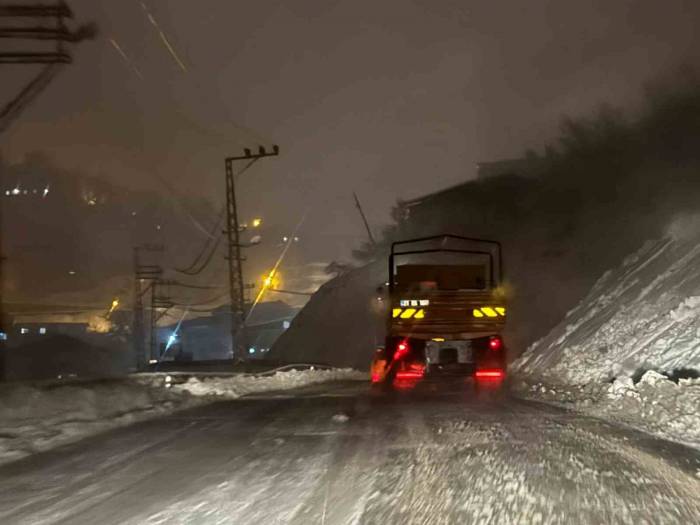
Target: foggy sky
{"type": "Point", "coordinates": [391, 99]}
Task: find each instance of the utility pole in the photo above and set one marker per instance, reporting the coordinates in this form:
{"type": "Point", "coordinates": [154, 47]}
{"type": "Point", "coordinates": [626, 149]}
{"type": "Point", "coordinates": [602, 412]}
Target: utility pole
{"type": "Point", "coordinates": [30, 28]}
{"type": "Point", "coordinates": [157, 302]}
{"type": "Point", "coordinates": [137, 311]}
{"type": "Point", "coordinates": [234, 256]}
{"type": "Point", "coordinates": [3, 329]}
{"type": "Point", "coordinates": [143, 272]}
{"type": "Point", "coordinates": [364, 219]}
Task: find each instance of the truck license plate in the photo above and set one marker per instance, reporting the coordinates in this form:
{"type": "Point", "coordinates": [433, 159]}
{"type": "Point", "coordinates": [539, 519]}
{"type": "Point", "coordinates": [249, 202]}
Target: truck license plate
{"type": "Point", "coordinates": [435, 349]}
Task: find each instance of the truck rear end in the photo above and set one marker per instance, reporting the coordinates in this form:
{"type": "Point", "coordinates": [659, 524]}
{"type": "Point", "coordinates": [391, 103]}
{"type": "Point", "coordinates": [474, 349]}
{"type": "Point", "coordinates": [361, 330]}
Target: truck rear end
{"type": "Point", "coordinates": [446, 310]}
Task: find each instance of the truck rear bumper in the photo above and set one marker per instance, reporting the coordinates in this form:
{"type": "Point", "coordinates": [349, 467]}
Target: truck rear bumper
{"type": "Point", "coordinates": [451, 369]}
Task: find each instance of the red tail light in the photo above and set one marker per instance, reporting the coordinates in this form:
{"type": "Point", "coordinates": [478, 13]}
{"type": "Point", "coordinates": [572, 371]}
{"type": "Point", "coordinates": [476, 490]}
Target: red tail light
{"type": "Point", "coordinates": [495, 343]}
{"type": "Point", "coordinates": [495, 373]}
{"type": "Point", "coordinates": [409, 374]}
{"type": "Point", "coordinates": [401, 350]}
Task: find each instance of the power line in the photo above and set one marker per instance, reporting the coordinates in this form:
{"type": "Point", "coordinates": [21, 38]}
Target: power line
{"type": "Point", "coordinates": [191, 271]}
{"type": "Point", "coordinates": [205, 302]}
{"type": "Point", "coordinates": [290, 292]}
{"type": "Point", "coordinates": [177, 199]}
{"type": "Point", "coordinates": [170, 282]}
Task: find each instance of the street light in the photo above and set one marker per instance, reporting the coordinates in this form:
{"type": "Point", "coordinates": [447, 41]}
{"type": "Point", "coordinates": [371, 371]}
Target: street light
{"type": "Point", "coordinates": [257, 222]}
{"type": "Point", "coordinates": [254, 241]}
{"type": "Point", "coordinates": [271, 280]}
{"type": "Point", "coordinates": [115, 304]}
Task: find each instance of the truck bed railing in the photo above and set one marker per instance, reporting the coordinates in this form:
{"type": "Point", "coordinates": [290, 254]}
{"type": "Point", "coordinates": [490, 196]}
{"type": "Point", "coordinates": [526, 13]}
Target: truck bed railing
{"type": "Point", "coordinates": [495, 244]}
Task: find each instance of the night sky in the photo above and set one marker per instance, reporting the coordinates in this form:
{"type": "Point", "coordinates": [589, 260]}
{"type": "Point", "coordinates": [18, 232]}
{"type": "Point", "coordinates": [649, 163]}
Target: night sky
{"type": "Point", "coordinates": [391, 99]}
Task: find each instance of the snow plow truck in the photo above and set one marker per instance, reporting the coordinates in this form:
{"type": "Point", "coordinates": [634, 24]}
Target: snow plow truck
{"type": "Point", "coordinates": [445, 310]}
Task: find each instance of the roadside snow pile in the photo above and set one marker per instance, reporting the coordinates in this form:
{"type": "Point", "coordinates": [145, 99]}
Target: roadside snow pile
{"type": "Point", "coordinates": [38, 416]}
{"type": "Point", "coordinates": [236, 386]}
{"type": "Point", "coordinates": [639, 326]}
{"type": "Point", "coordinates": [654, 404]}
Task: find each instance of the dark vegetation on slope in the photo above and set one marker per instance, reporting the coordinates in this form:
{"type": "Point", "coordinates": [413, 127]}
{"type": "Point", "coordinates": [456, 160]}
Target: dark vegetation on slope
{"type": "Point", "coordinates": [607, 184]}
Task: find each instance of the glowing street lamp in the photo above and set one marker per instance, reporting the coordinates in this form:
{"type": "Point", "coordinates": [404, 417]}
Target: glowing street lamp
{"type": "Point", "coordinates": [256, 222]}
{"type": "Point", "coordinates": [271, 280]}
{"type": "Point", "coordinates": [115, 303]}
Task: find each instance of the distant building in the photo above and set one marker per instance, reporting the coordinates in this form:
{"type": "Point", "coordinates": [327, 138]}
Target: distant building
{"type": "Point", "coordinates": [523, 167]}
{"type": "Point", "coordinates": [61, 348]}
{"type": "Point", "coordinates": [209, 338]}
{"type": "Point", "coordinates": [21, 333]}
{"type": "Point", "coordinates": [514, 172]}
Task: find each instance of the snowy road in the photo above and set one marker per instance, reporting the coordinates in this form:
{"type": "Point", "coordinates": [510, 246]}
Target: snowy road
{"type": "Point", "coordinates": [420, 456]}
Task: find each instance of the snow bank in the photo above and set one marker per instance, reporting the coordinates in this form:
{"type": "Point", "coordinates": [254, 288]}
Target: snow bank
{"type": "Point", "coordinates": [654, 404]}
{"type": "Point", "coordinates": [237, 386]}
{"type": "Point", "coordinates": [644, 315]}
{"type": "Point", "coordinates": [39, 416]}
{"type": "Point", "coordinates": [613, 354]}
{"type": "Point", "coordinates": [36, 417]}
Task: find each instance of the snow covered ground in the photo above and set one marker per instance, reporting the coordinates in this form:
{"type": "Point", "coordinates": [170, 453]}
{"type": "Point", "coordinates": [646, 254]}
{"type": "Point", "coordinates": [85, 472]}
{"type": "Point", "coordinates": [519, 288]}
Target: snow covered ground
{"type": "Point", "coordinates": [631, 349]}
{"type": "Point", "coordinates": [343, 453]}
{"type": "Point", "coordinates": [39, 416]}
{"type": "Point", "coordinates": [654, 403]}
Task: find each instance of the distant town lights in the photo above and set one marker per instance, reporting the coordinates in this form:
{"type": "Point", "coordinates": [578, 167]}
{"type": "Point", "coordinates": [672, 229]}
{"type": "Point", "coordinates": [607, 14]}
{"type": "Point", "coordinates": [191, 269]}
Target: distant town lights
{"type": "Point", "coordinates": [36, 191]}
